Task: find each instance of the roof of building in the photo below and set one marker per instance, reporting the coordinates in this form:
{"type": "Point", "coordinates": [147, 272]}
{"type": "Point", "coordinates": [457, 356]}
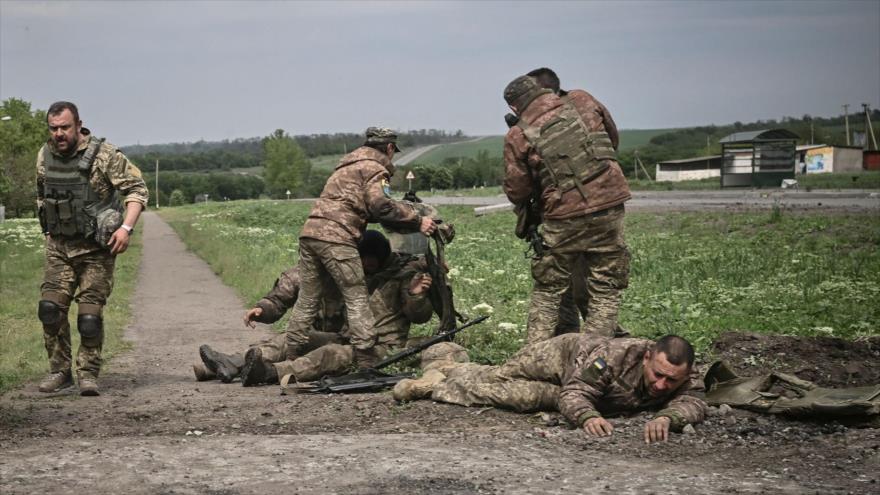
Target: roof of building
{"type": "Point", "coordinates": [690, 160]}
{"type": "Point", "coordinates": [765, 135]}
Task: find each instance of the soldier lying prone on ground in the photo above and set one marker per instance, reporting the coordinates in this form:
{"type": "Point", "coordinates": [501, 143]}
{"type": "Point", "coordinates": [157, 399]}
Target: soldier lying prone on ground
{"type": "Point", "coordinates": [397, 287]}
{"type": "Point", "coordinates": [581, 375]}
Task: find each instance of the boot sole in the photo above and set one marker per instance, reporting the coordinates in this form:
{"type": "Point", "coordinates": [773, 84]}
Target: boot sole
{"type": "Point", "coordinates": [89, 392]}
{"type": "Point", "coordinates": [62, 387]}
{"type": "Point", "coordinates": [251, 373]}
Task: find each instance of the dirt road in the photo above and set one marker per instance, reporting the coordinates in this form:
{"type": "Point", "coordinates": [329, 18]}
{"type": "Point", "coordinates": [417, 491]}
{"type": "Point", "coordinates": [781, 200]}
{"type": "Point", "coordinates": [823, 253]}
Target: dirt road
{"type": "Point", "coordinates": [156, 430]}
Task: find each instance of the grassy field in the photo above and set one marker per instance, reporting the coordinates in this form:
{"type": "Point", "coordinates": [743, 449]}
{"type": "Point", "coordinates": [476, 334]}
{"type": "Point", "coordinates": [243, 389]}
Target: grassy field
{"type": "Point", "coordinates": [695, 274]}
{"type": "Point", "coordinates": [22, 355]}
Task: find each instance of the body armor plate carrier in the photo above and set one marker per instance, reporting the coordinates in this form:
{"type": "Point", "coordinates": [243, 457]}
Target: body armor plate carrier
{"type": "Point", "coordinates": [70, 205]}
{"type": "Point", "coordinates": [571, 155]}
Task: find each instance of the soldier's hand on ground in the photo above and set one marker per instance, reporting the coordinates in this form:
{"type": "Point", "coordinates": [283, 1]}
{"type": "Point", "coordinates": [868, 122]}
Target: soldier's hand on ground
{"type": "Point", "coordinates": [598, 427]}
{"type": "Point", "coordinates": [657, 429]}
{"type": "Point", "coordinates": [118, 241]}
{"type": "Point", "coordinates": [252, 315]}
{"type": "Point", "coordinates": [427, 226]}
{"type": "Point", "coordinates": [420, 284]}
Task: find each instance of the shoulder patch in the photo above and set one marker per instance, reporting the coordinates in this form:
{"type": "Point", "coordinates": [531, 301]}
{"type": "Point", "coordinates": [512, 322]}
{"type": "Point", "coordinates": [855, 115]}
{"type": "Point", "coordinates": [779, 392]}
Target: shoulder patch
{"type": "Point", "coordinates": [386, 188]}
{"type": "Point", "coordinates": [594, 370]}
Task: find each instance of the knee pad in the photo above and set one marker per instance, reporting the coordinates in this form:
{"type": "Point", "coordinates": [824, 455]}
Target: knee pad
{"type": "Point", "coordinates": [91, 329]}
{"type": "Point", "coordinates": [48, 312]}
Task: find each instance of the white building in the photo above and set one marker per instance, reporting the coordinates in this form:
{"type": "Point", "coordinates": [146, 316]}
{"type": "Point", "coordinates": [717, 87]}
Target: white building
{"type": "Point", "coordinates": [823, 158]}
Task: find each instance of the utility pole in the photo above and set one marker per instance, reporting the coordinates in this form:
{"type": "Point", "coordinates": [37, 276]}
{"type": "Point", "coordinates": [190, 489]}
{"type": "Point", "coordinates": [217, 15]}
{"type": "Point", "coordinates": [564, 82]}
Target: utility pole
{"type": "Point", "coordinates": [157, 183]}
{"type": "Point", "coordinates": [707, 145]}
{"type": "Point", "coordinates": [846, 121]}
{"type": "Point", "coordinates": [869, 129]}
{"type": "Point", "coordinates": [811, 131]}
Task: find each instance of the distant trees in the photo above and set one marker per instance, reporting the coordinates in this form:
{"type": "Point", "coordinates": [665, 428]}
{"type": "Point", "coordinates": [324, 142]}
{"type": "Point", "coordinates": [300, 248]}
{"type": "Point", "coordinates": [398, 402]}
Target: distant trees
{"type": "Point", "coordinates": [217, 185]}
{"type": "Point", "coordinates": [21, 135]}
{"type": "Point", "coordinates": [286, 167]}
{"type": "Point", "coordinates": [454, 173]}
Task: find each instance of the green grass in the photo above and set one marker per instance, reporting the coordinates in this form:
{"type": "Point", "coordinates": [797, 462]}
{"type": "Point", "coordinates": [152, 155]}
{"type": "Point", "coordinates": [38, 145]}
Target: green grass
{"type": "Point", "coordinates": [636, 138]}
{"type": "Point", "coordinates": [22, 355]}
{"type": "Point", "coordinates": [695, 274]}
{"type": "Point", "coordinates": [466, 149]}
{"type": "Point", "coordinates": [629, 139]}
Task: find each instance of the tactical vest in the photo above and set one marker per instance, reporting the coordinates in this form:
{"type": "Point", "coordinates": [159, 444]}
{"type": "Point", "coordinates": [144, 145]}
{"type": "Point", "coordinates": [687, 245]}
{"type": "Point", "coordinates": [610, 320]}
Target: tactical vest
{"type": "Point", "coordinates": [70, 205]}
{"type": "Point", "coordinates": [570, 153]}
{"type": "Point", "coordinates": [780, 393]}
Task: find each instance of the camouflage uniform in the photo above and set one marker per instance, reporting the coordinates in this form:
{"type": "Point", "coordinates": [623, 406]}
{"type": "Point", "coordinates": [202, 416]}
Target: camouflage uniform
{"type": "Point", "coordinates": [528, 381]}
{"type": "Point", "coordinates": [355, 194]}
{"type": "Point", "coordinates": [607, 378]}
{"type": "Point", "coordinates": [394, 310]}
{"type": "Point", "coordinates": [77, 262]}
{"type": "Point", "coordinates": [589, 225]}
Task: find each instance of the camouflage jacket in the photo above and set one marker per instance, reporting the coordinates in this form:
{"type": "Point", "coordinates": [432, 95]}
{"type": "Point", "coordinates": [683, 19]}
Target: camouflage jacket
{"type": "Point", "coordinates": [522, 162]}
{"type": "Point", "coordinates": [619, 386]}
{"type": "Point", "coordinates": [331, 316]}
{"type": "Point", "coordinates": [110, 170]}
{"type": "Point", "coordinates": [354, 195]}
{"type": "Point", "coordinates": [393, 307]}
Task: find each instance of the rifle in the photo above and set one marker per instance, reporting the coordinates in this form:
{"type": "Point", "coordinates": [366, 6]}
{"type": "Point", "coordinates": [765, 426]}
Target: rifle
{"type": "Point", "coordinates": [440, 292]}
{"type": "Point", "coordinates": [371, 379]}
{"type": "Point", "coordinates": [528, 218]}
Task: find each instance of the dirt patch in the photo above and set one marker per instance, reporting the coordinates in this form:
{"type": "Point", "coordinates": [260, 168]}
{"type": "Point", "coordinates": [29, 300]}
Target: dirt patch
{"type": "Point", "coordinates": [827, 361]}
{"type": "Point", "coordinates": [156, 430]}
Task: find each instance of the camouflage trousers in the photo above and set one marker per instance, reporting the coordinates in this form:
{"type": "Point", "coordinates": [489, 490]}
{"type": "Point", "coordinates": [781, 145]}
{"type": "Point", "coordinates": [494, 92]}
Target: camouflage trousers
{"type": "Point", "coordinates": [92, 274]}
{"type": "Point", "coordinates": [598, 238]}
{"type": "Point", "coordinates": [319, 261]}
{"type": "Point", "coordinates": [325, 353]}
{"type": "Point", "coordinates": [328, 360]}
{"type": "Point", "coordinates": [529, 381]}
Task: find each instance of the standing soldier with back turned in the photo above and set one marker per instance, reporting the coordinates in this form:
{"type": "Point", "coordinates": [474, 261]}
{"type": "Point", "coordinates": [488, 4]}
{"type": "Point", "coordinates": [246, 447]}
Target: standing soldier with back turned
{"type": "Point", "coordinates": [355, 194]}
{"type": "Point", "coordinates": [80, 179]}
{"type": "Point", "coordinates": [562, 152]}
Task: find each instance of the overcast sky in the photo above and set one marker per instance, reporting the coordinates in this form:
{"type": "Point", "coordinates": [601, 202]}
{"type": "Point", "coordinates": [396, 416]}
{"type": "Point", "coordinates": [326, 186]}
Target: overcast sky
{"type": "Point", "coordinates": [152, 72]}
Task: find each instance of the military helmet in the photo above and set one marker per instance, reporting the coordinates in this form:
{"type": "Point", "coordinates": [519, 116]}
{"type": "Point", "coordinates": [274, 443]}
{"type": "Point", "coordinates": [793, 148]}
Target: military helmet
{"type": "Point", "coordinates": [106, 223]}
{"type": "Point", "coordinates": [381, 135]}
{"type": "Point", "coordinates": [522, 90]}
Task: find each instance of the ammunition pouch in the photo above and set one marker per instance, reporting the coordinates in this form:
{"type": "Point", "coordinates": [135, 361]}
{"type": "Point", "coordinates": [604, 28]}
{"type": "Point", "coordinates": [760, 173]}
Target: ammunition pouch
{"type": "Point", "coordinates": [49, 312]}
{"type": "Point", "coordinates": [91, 329]}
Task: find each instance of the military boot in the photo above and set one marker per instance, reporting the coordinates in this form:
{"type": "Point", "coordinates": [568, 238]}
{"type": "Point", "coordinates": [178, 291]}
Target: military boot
{"type": "Point", "coordinates": [56, 381]}
{"type": "Point", "coordinates": [202, 372]}
{"type": "Point", "coordinates": [226, 366]}
{"type": "Point", "coordinates": [88, 386]}
{"type": "Point", "coordinates": [409, 389]}
{"type": "Point", "coordinates": [255, 370]}
{"type": "Point", "coordinates": [365, 358]}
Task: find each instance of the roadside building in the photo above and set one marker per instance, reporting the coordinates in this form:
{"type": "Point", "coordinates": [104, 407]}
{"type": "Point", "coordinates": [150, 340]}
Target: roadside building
{"type": "Point", "coordinates": [702, 167]}
{"type": "Point", "coordinates": [758, 158]}
{"type": "Point", "coordinates": [823, 158]}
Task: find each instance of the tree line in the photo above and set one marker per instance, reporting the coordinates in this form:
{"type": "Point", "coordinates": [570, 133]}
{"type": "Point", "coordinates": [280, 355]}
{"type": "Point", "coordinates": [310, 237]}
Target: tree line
{"type": "Point", "coordinates": [247, 153]}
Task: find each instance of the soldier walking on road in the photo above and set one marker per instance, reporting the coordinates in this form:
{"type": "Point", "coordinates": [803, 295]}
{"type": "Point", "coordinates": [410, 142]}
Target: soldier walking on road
{"type": "Point", "coordinates": [79, 182]}
{"type": "Point", "coordinates": [355, 194]}
{"type": "Point", "coordinates": [562, 152]}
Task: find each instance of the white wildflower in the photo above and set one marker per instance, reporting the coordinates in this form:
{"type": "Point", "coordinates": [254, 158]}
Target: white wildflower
{"type": "Point", "coordinates": [483, 308]}
{"type": "Point", "coordinates": [506, 326]}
